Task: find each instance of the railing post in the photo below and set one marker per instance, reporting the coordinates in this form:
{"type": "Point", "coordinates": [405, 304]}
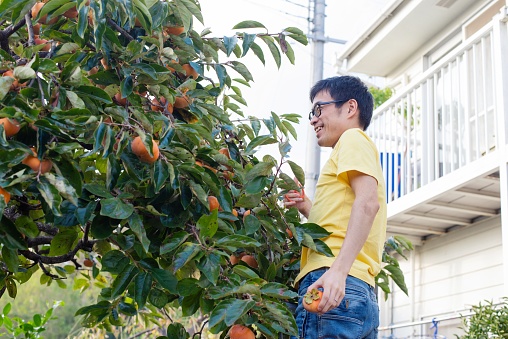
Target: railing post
{"type": "Point", "coordinates": [500, 38]}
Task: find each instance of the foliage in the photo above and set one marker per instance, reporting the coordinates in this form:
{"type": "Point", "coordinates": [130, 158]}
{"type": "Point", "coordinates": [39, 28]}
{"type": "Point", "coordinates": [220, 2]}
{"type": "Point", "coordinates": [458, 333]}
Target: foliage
{"type": "Point", "coordinates": [391, 269]}
{"type": "Point", "coordinates": [487, 321]}
{"type": "Point", "coordinates": [380, 95]}
{"type": "Point", "coordinates": [83, 205]}
{"type": "Point", "coordinates": [16, 327]}
{"type": "Point", "coordinates": [36, 298]}
{"type": "Point", "coordinates": [114, 72]}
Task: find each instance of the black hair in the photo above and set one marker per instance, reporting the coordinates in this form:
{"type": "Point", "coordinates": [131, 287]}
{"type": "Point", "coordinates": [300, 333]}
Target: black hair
{"type": "Point", "coordinates": [345, 88]}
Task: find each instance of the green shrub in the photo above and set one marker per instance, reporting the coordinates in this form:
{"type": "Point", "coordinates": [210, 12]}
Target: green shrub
{"type": "Point", "coordinates": [488, 320]}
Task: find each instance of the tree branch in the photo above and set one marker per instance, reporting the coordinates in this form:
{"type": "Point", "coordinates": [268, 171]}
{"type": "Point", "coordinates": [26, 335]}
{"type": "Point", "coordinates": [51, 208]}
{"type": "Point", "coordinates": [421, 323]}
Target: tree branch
{"type": "Point", "coordinates": [59, 258]}
{"type": "Point", "coordinates": [120, 29]}
{"type": "Point", "coordinates": [42, 240]}
{"type": "Point", "coordinates": [47, 228]}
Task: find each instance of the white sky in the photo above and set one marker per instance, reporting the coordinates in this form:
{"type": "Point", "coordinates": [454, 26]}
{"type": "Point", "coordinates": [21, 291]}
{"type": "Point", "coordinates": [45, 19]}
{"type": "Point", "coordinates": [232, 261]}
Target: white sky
{"type": "Point", "coordinates": [285, 90]}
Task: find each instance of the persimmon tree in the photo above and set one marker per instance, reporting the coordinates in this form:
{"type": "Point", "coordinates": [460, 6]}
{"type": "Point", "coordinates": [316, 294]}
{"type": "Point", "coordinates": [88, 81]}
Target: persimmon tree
{"type": "Point", "coordinates": [127, 162]}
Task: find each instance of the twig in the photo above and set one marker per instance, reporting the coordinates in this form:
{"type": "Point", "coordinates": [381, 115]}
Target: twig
{"type": "Point", "coordinates": [30, 29]}
{"type": "Point", "coordinates": [48, 273]}
{"type": "Point", "coordinates": [141, 333]}
{"type": "Point", "coordinates": [120, 29]}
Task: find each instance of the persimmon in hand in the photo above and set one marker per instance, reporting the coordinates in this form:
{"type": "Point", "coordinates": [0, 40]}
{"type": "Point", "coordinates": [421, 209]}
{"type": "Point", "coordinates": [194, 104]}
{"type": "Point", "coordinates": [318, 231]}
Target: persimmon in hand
{"type": "Point", "coordinates": [301, 194]}
{"type": "Point", "coordinates": [311, 300]}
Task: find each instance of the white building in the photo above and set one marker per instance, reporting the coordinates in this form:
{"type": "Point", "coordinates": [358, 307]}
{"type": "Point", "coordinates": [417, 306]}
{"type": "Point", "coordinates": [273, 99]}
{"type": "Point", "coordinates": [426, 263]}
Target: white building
{"type": "Point", "coordinates": [443, 137]}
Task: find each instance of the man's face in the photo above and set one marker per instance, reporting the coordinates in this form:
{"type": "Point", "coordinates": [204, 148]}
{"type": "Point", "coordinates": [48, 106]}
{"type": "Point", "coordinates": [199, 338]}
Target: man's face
{"type": "Point", "coordinates": [332, 122]}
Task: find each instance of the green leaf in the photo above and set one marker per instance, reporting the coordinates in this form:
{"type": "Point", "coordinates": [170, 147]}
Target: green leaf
{"type": "Point", "coordinates": [245, 272]}
{"type": "Point", "coordinates": [290, 128]}
{"type": "Point", "coordinates": [261, 169]}
{"type": "Point", "coordinates": [50, 194]}
{"type": "Point", "coordinates": [258, 51]}
{"type": "Point", "coordinates": [210, 267]}
{"type": "Point", "coordinates": [278, 290]}
{"type": "Point", "coordinates": [115, 208]}
{"type": "Point", "coordinates": [297, 171]}
{"type": "Point", "coordinates": [282, 316]}
{"type": "Point", "coordinates": [249, 24]}
{"type": "Point", "coordinates": [94, 93]}
{"type": "Point", "coordinates": [10, 258]}
{"type": "Point", "coordinates": [5, 86]}
{"type": "Point", "coordinates": [273, 49]}
{"type": "Point", "coordinates": [257, 185]}
{"type": "Point", "coordinates": [208, 224]}
{"type": "Point", "coordinates": [158, 298]}
{"type": "Point", "coordinates": [248, 39]}
{"type": "Point", "coordinates": [126, 86]}
{"type": "Point", "coordinates": [314, 230]}
{"type": "Point", "coordinates": [123, 280]}
{"type": "Point", "coordinates": [199, 192]}
{"type": "Point", "coordinates": [10, 236]}
{"type": "Point", "coordinates": [323, 248]}
{"type": "Point", "coordinates": [397, 276]}
{"type": "Point", "coordinates": [98, 190]}
{"type": "Point", "coordinates": [48, 66]}
{"type": "Point", "coordinates": [63, 242]}
{"type": "Point", "coordinates": [219, 69]}
{"type": "Point", "coordinates": [114, 261]}
{"type": "Point", "coordinates": [63, 187]}
{"type": "Point", "coordinates": [301, 38]}
{"type": "Point", "coordinates": [136, 225]}
{"type": "Point", "coordinates": [12, 289]}
{"type": "Point", "coordinates": [249, 200]}
{"type": "Point", "coordinates": [165, 278]}
{"type": "Point", "coordinates": [142, 287]}
{"type": "Point", "coordinates": [23, 72]}
{"type": "Point", "coordinates": [290, 53]}
{"type": "Point", "coordinates": [237, 241]}
{"type": "Point", "coordinates": [251, 224]}
{"type": "Point", "coordinates": [230, 44]}
{"type": "Point", "coordinates": [191, 7]}
{"type": "Point", "coordinates": [101, 227]}
{"type": "Point", "coordinates": [259, 141]}
{"type": "Point", "coordinates": [241, 69]}
{"type": "Point", "coordinates": [190, 304]}
{"type": "Point", "coordinates": [230, 310]}
{"type": "Point", "coordinates": [7, 309]}
{"type": "Point", "coordinates": [172, 242]}
{"type": "Point", "coordinates": [185, 253]}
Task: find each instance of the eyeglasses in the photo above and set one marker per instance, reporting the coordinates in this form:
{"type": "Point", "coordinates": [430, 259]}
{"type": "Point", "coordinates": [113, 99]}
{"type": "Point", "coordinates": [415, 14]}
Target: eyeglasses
{"type": "Point", "coordinates": [316, 111]}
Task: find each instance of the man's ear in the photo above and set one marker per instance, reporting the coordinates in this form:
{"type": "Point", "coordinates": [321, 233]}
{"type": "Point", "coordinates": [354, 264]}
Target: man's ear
{"type": "Point", "coordinates": [352, 109]}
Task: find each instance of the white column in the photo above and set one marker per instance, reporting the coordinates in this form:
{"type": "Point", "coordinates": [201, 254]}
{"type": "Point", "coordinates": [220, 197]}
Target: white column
{"type": "Point", "coordinates": [313, 155]}
{"type": "Point", "coordinates": [501, 73]}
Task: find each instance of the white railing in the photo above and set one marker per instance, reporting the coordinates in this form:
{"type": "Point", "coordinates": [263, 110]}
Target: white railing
{"type": "Point", "coordinates": [442, 121]}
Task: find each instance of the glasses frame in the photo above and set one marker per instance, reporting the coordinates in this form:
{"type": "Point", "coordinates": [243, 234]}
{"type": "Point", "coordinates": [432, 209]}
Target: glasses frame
{"type": "Point", "coordinates": [316, 111]}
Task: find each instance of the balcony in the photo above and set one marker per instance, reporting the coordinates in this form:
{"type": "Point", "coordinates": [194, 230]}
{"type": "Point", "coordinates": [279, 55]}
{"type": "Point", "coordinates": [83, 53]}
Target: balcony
{"type": "Point", "coordinates": [440, 141]}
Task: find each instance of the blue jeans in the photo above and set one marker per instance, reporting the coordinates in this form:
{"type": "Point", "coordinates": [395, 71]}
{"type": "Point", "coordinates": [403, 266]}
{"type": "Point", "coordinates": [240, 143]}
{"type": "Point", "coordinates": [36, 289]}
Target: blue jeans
{"type": "Point", "coordinates": [357, 316]}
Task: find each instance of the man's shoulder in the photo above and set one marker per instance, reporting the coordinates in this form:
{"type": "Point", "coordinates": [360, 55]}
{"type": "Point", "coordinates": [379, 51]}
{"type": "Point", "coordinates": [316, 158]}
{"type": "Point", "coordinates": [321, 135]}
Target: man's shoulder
{"type": "Point", "coordinates": [354, 134]}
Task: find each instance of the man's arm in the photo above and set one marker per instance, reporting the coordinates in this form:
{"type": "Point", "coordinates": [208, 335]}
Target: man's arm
{"type": "Point", "coordinates": [364, 210]}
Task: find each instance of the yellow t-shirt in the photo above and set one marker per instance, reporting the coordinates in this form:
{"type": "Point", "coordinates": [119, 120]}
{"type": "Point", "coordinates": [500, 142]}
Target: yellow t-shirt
{"type": "Point", "coordinates": [333, 203]}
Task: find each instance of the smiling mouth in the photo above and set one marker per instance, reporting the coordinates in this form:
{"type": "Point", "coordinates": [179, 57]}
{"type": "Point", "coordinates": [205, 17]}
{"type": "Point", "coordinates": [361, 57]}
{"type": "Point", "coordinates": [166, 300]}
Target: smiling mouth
{"type": "Point", "coordinates": [317, 129]}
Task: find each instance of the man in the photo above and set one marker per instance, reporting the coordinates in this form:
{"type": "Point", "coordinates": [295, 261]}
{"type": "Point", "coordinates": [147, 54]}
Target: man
{"type": "Point", "coordinates": [349, 202]}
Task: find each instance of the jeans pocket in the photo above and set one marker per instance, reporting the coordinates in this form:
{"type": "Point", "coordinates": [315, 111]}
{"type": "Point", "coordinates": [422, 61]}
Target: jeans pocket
{"type": "Point", "coordinates": [347, 320]}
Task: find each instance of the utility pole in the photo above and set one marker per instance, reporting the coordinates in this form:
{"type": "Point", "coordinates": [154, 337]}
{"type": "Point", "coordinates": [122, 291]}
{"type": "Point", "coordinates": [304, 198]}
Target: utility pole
{"type": "Point", "coordinates": [313, 155]}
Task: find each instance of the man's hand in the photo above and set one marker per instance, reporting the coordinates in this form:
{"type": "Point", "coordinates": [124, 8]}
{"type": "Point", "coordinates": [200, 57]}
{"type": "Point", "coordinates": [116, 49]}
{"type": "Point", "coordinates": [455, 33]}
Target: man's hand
{"type": "Point", "coordinates": [334, 290]}
{"type": "Point", "coordinates": [301, 202]}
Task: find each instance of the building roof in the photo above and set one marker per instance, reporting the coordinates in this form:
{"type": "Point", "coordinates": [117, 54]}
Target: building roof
{"type": "Point", "coordinates": [399, 31]}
